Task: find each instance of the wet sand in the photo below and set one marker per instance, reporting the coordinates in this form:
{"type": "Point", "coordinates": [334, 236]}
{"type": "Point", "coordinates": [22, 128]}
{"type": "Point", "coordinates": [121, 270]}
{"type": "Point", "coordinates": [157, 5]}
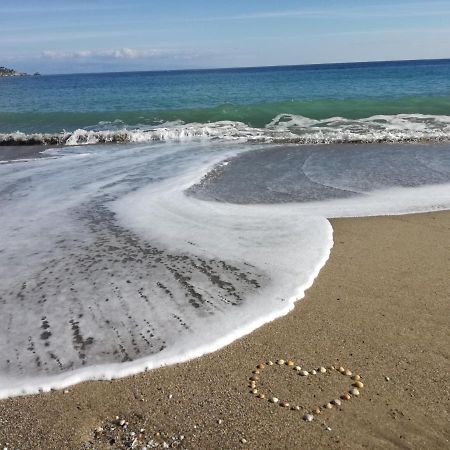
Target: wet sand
{"type": "Point", "coordinates": [14, 152]}
{"type": "Point", "coordinates": [380, 306]}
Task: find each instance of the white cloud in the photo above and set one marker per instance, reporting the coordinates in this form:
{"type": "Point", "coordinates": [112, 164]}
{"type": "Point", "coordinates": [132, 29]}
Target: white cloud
{"type": "Point", "coordinates": [119, 53]}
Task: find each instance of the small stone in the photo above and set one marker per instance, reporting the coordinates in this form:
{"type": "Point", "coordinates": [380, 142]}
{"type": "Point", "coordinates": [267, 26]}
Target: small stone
{"type": "Point", "coordinates": [358, 384]}
{"type": "Point", "coordinates": [254, 391]}
{"type": "Point", "coordinates": [336, 402]}
{"type": "Point", "coordinates": [261, 366]}
{"type": "Point", "coordinates": [354, 392]}
{"type": "Point", "coordinates": [261, 396]}
{"type": "Point", "coordinates": [243, 441]}
{"type": "Point", "coordinates": [284, 404]}
{"type": "Point", "coordinates": [348, 373]}
{"type": "Point", "coordinates": [122, 422]}
{"type": "Point", "coordinates": [304, 373]}
{"type": "Point", "coordinates": [295, 408]}
{"type": "Point", "coordinates": [280, 362]}
{"type": "Point", "coordinates": [332, 368]}
{"type": "Point", "coordinates": [317, 410]}
{"type": "Point", "coordinates": [290, 363]}
{"type": "Point", "coordinates": [322, 370]}
{"type": "Point", "coordinates": [170, 396]}
{"type": "Point", "coordinates": [254, 378]}
{"type": "Point", "coordinates": [346, 396]}
{"type": "Point", "coordinates": [308, 417]}
{"type": "Point", "coordinates": [220, 421]}
{"type": "Point", "coordinates": [356, 377]}
{"type": "Point", "coordinates": [341, 369]}
{"type": "Point", "coordinates": [329, 406]}
{"type": "Point", "coordinates": [297, 368]}
{"type": "Point", "coordinates": [313, 372]}
{"type": "Point", "coordinates": [328, 428]}
{"type": "Point", "coordinates": [256, 372]}
{"type": "Point", "coordinates": [66, 391]}
{"type": "Point", "coordinates": [273, 400]}
{"type": "Point", "coordinates": [270, 363]}
{"type": "Point", "coordinates": [387, 378]}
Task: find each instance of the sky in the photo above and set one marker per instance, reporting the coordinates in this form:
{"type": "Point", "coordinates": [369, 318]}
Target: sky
{"type": "Point", "coordinates": [69, 36]}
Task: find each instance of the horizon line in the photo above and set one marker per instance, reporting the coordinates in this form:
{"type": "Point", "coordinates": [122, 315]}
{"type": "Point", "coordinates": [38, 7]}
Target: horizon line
{"type": "Point", "coordinates": [349, 63]}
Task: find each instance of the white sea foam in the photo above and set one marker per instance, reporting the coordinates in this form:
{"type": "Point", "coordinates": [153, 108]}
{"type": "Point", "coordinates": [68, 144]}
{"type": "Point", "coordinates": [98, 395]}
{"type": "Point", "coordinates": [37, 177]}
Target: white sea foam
{"type": "Point", "coordinates": [112, 269]}
{"type": "Point", "coordinates": [284, 128]}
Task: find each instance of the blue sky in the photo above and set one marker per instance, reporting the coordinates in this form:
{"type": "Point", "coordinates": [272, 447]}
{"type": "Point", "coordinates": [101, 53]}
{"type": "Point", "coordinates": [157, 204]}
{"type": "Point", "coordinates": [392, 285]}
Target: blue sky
{"type": "Point", "coordinates": [64, 36]}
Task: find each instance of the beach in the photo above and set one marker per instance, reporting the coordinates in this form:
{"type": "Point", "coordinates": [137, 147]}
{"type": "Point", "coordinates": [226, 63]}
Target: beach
{"type": "Point", "coordinates": [379, 307]}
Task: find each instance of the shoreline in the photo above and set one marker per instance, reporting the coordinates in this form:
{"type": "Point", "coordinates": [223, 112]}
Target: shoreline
{"type": "Point", "coordinates": [396, 264]}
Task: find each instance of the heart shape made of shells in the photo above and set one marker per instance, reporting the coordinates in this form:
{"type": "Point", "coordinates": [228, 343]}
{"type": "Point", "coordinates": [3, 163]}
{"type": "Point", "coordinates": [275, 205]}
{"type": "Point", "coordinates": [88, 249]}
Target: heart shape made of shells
{"type": "Point", "coordinates": [354, 391]}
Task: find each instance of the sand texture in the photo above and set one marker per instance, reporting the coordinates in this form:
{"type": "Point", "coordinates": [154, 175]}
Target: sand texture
{"type": "Point", "coordinates": [380, 307]}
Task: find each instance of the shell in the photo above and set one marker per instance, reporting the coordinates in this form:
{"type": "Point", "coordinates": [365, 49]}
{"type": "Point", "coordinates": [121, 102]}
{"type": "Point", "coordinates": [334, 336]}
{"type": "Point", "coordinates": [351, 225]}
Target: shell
{"type": "Point", "coordinates": [341, 369]}
{"type": "Point", "coordinates": [254, 391]}
{"type": "Point", "coordinates": [328, 406]}
{"type": "Point", "coordinates": [322, 369]}
{"type": "Point", "coordinates": [270, 363]}
{"type": "Point", "coordinates": [336, 402]}
{"type": "Point", "coordinates": [331, 368]}
{"type": "Point", "coordinates": [348, 372]}
{"type": "Point", "coordinates": [308, 417]}
{"type": "Point", "coordinates": [280, 362]}
{"type": "Point", "coordinates": [273, 400]}
{"type": "Point", "coordinates": [358, 384]}
{"type": "Point", "coordinates": [304, 373]}
{"type": "Point", "coordinates": [346, 396]}
{"type": "Point", "coordinates": [354, 392]}
{"type": "Point", "coordinates": [297, 368]}
{"type": "Point", "coordinates": [313, 372]}
{"type": "Point", "coordinates": [356, 377]}
{"type": "Point", "coordinates": [284, 404]}
{"type": "Point", "coordinates": [290, 363]}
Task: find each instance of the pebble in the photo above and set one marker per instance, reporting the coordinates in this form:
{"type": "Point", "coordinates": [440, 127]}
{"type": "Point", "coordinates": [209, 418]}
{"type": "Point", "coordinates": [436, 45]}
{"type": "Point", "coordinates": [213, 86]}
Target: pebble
{"type": "Point", "coordinates": [243, 441]}
{"type": "Point", "coordinates": [317, 410]}
{"type": "Point", "coordinates": [66, 391]}
{"type": "Point", "coordinates": [387, 378]}
{"type": "Point", "coordinates": [298, 368]}
{"type": "Point", "coordinates": [332, 368]}
{"type": "Point", "coordinates": [273, 400]}
{"type": "Point", "coordinates": [308, 417]}
{"type": "Point", "coordinates": [346, 396]}
{"type": "Point", "coordinates": [354, 392]}
{"type": "Point", "coordinates": [220, 421]}
{"type": "Point", "coordinates": [290, 363]}
{"type": "Point", "coordinates": [284, 404]}
{"type": "Point", "coordinates": [328, 406]}
{"type": "Point", "coordinates": [170, 396]}
{"type": "Point", "coordinates": [336, 402]}
{"type": "Point", "coordinates": [328, 428]}
{"type": "Point", "coordinates": [348, 373]}
{"type": "Point", "coordinates": [304, 373]}
{"type": "Point", "coordinates": [322, 370]}
{"type": "Point", "coordinates": [254, 378]}
{"type": "Point", "coordinates": [256, 372]}
{"type": "Point", "coordinates": [280, 362]}
{"type": "Point", "coordinates": [296, 408]}
{"type": "Point", "coordinates": [254, 391]}
{"type": "Point", "coordinates": [358, 384]}
{"type": "Point", "coordinates": [261, 396]}
{"type": "Point", "coordinates": [261, 366]}
{"type": "Point", "coordinates": [270, 363]}
{"type": "Point", "coordinates": [356, 377]}
{"type": "Point", "coordinates": [122, 422]}
{"type": "Point", "coordinates": [341, 369]}
{"type": "Point", "coordinates": [313, 372]}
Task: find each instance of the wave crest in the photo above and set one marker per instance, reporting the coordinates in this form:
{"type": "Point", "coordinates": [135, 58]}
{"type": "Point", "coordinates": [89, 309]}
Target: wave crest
{"type": "Point", "coordinates": [284, 128]}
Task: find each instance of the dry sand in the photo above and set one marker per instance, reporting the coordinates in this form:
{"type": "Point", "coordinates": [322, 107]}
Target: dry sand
{"type": "Point", "coordinates": [380, 306]}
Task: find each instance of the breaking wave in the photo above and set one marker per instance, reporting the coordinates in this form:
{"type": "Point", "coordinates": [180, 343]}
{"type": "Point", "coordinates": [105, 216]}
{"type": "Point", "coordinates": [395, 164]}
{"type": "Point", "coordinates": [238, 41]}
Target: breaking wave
{"type": "Point", "coordinates": [284, 128]}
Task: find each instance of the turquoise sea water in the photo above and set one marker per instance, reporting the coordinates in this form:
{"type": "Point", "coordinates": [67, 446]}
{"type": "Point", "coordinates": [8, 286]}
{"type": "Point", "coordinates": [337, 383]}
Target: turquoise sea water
{"type": "Point", "coordinates": [270, 103]}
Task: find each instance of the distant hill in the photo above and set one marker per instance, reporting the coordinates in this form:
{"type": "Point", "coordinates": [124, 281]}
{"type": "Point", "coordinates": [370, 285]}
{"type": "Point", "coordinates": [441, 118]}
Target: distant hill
{"type": "Point", "coordinates": [6, 72]}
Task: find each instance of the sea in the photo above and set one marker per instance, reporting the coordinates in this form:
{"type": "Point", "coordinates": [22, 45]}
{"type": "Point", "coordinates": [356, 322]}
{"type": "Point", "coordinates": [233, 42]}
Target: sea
{"type": "Point", "coordinates": [166, 214]}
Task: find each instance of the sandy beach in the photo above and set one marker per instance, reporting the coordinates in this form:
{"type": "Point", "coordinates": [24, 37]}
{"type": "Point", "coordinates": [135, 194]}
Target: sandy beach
{"type": "Point", "coordinates": [380, 307]}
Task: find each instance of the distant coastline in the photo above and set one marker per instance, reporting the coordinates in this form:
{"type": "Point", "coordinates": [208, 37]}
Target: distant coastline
{"type": "Point", "coordinates": [6, 72]}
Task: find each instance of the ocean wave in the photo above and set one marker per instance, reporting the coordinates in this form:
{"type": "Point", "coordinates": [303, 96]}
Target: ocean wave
{"type": "Point", "coordinates": [284, 128]}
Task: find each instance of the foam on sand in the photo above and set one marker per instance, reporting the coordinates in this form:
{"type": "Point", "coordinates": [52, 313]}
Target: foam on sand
{"type": "Point", "coordinates": [109, 267]}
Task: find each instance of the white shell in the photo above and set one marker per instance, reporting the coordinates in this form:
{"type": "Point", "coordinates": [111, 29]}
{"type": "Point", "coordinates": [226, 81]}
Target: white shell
{"type": "Point", "coordinates": [298, 368]}
{"type": "Point", "coordinates": [273, 400]}
{"type": "Point", "coordinates": [313, 372]}
{"type": "Point", "coordinates": [354, 392]}
{"type": "Point", "coordinates": [322, 370]}
{"type": "Point", "coordinates": [308, 417]}
{"type": "Point", "coordinates": [280, 362]}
